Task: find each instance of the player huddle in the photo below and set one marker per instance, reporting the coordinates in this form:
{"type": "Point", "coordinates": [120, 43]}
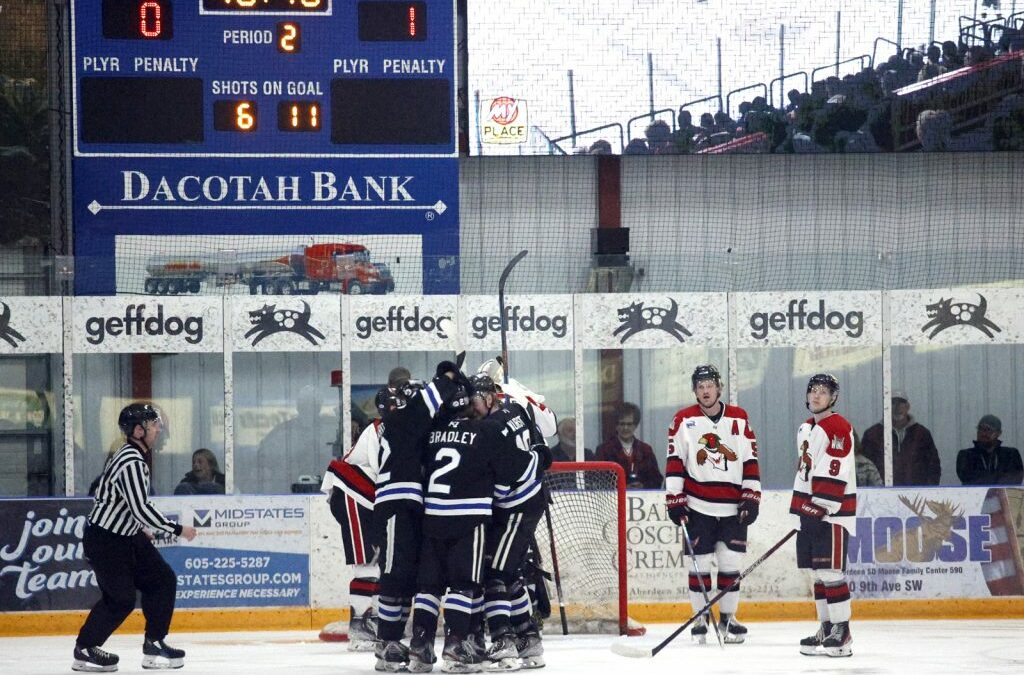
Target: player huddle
{"type": "Point", "coordinates": [438, 502]}
{"type": "Point", "coordinates": [439, 499]}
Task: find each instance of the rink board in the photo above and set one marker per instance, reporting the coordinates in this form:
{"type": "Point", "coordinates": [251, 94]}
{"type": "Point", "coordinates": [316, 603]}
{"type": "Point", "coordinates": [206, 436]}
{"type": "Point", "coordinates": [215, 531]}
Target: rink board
{"type": "Point", "coordinates": [939, 552]}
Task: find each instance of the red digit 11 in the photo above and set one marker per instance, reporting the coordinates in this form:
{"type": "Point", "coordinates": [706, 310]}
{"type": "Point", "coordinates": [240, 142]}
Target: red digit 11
{"type": "Point", "coordinates": [149, 19]}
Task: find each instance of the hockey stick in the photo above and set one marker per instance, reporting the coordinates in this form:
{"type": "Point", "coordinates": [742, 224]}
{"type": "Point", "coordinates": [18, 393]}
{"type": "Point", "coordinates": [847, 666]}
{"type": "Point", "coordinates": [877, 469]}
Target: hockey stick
{"type": "Point", "coordinates": [554, 566]}
{"type": "Point", "coordinates": [501, 307]}
{"type": "Point", "coordinates": [623, 649]}
{"type": "Point", "coordinates": [688, 544]}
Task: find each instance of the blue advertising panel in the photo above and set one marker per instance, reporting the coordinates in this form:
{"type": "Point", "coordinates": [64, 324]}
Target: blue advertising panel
{"type": "Point", "coordinates": [209, 134]}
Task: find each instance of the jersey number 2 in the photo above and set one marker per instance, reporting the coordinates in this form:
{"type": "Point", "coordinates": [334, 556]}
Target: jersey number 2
{"type": "Point", "coordinates": [450, 459]}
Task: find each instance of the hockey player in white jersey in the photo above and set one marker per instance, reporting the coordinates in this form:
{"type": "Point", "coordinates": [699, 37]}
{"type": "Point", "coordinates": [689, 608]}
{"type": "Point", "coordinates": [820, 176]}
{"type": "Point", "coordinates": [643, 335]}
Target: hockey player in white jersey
{"type": "Point", "coordinates": [350, 485]}
{"type": "Point", "coordinates": [713, 484]}
{"type": "Point", "coordinates": [824, 510]}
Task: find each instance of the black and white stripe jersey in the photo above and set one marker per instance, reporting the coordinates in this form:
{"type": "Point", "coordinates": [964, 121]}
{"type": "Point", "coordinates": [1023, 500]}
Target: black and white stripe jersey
{"type": "Point", "coordinates": [524, 492]}
{"type": "Point", "coordinates": [465, 460]}
{"type": "Point", "coordinates": [403, 433]}
{"type": "Point", "coordinates": [122, 498]}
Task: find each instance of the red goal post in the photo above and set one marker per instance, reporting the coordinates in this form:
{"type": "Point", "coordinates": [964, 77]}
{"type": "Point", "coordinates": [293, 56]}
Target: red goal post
{"type": "Point", "coordinates": [588, 517]}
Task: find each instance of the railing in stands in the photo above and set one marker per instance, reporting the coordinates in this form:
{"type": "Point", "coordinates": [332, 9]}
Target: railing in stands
{"type": "Point", "coordinates": [874, 48]}
{"type": "Point", "coordinates": [715, 97]}
{"type": "Point", "coordinates": [651, 116]}
{"type": "Point", "coordinates": [782, 90]}
{"type": "Point", "coordinates": [758, 85]}
{"type": "Point", "coordinates": [863, 58]}
{"type": "Point", "coordinates": [580, 134]}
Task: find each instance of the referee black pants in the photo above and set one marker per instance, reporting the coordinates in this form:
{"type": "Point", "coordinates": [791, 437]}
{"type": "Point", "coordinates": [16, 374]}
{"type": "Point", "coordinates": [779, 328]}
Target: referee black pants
{"type": "Point", "coordinates": [122, 566]}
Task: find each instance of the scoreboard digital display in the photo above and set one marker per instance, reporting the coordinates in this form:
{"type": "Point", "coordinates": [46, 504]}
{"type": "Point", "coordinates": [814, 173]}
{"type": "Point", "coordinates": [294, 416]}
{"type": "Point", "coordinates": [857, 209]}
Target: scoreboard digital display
{"type": "Point", "coordinates": [241, 130]}
{"type": "Point", "coordinates": [264, 77]}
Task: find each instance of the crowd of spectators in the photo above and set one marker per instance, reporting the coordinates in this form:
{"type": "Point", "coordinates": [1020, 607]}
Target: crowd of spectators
{"type": "Point", "coordinates": [844, 114]}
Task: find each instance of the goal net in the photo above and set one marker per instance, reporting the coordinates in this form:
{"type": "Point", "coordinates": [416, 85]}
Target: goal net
{"type": "Point", "coordinates": [586, 555]}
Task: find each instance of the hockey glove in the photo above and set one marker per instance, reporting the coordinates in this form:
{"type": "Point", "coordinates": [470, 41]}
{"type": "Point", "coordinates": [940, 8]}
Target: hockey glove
{"type": "Point", "coordinates": [750, 505]}
{"type": "Point", "coordinates": [544, 454]}
{"type": "Point", "coordinates": [446, 367]}
{"type": "Point", "coordinates": [678, 512]}
{"type": "Point", "coordinates": [812, 510]}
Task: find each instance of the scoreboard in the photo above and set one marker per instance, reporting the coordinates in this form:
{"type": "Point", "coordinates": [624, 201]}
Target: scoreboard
{"type": "Point", "coordinates": [262, 118]}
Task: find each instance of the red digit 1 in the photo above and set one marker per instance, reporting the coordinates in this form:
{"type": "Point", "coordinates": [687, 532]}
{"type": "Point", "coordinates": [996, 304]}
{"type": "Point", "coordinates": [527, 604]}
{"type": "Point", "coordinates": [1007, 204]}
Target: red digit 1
{"type": "Point", "coordinates": [412, 21]}
{"type": "Point", "coordinates": [149, 19]}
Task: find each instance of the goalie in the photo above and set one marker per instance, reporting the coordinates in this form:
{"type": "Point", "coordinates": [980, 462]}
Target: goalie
{"type": "Point", "coordinates": [713, 485]}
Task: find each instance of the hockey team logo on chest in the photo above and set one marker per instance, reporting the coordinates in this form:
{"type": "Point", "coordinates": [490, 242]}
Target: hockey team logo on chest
{"type": "Point", "coordinates": [714, 453]}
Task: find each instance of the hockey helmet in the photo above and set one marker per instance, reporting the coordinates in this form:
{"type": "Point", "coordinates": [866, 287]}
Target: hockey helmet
{"type": "Point", "coordinates": [493, 368]}
{"type": "Point", "coordinates": [481, 384]}
{"type": "Point", "coordinates": [388, 399]}
{"type": "Point", "coordinates": [705, 372]}
{"type": "Point", "coordinates": [135, 414]}
{"type": "Point", "coordinates": [827, 380]}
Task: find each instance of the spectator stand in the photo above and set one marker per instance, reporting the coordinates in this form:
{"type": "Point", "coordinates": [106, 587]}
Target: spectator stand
{"type": "Point", "coordinates": [653, 115]}
{"type": "Point", "coordinates": [781, 79]}
{"type": "Point", "coordinates": [589, 132]}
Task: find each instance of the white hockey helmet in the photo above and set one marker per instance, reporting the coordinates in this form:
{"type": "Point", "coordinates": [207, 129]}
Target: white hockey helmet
{"type": "Point", "coordinates": [494, 369]}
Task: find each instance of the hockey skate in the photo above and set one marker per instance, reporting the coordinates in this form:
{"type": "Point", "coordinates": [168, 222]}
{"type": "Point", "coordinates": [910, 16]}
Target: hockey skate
{"type": "Point", "coordinates": [733, 632]}
{"type": "Point", "coordinates": [360, 632]}
{"type": "Point", "coordinates": [839, 640]}
{"type": "Point", "coordinates": [531, 649]}
{"type": "Point", "coordinates": [94, 660]}
{"type": "Point", "coordinates": [459, 656]}
{"type": "Point", "coordinates": [158, 655]}
{"type": "Point", "coordinates": [392, 657]}
{"type": "Point", "coordinates": [421, 655]}
{"type": "Point", "coordinates": [699, 632]}
{"type": "Point", "coordinates": [503, 653]}
{"type": "Point", "coordinates": [809, 646]}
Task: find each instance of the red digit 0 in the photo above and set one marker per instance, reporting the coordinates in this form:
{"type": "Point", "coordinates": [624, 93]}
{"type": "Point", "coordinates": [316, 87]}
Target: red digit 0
{"type": "Point", "coordinates": [149, 19]}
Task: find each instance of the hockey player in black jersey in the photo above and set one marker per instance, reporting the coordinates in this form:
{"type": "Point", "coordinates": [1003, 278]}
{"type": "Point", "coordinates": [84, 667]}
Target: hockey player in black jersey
{"type": "Point", "coordinates": [398, 507]}
{"type": "Point", "coordinates": [466, 458]}
{"type": "Point", "coordinates": [519, 505]}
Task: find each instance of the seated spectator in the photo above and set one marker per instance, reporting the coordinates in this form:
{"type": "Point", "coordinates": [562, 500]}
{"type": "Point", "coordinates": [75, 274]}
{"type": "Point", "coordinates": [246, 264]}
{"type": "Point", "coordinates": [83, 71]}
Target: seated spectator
{"type": "Point", "coordinates": [637, 146]}
{"type": "Point", "coordinates": [976, 55]}
{"type": "Point", "coordinates": [914, 455]}
{"type": "Point", "coordinates": [205, 477]}
{"type": "Point", "coordinates": [934, 130]}
{"type": "Point", "coordinates": [707, 124]}
{"type": "Point", "coordinates": [659, 138]}
{"type": "Point", "coordinates": [951, 59]}
{"type": "Point", "coordinates": [989, 462]}
{"type": "Point", "coordinates": [635, 457]}
{"type": "Point", "coordinates": [867, 472]}
{"type": "Point", "coordinates": [600, 147]}
{"type": "Point", "coordinates": [723, 122]}
{"type": "Point", "coordinates": [793, 96]}
{"type": "Point", "coordinates": [565, 449]}
{"type": "Point", "coordinates": [685, 133]}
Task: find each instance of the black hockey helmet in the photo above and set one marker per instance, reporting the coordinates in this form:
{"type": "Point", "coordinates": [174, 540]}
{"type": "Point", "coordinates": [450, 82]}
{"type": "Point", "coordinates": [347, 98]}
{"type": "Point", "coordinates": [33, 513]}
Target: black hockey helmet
{"type": "Point", "coordinates": [827, 379]}
{"type": "Point", "coordinates": [705, 372]}
{"type": "Point", "coordinates": [388, 399]}
{"type": "Point", "coordinates": [458, 402]}
{"type": "Point", "coordinates": [135, 414]}
{"type": "Point", "coordinates": [481, 384]}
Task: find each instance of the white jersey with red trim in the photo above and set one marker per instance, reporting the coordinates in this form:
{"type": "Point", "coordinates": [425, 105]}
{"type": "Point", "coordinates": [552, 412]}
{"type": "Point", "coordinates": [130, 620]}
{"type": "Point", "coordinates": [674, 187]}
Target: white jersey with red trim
{"type": "Point", "coordinates": [533, 403]}
{"type": "Point", "coordinates": [713, 463]}
{"type": "Point", "coordinates": [826, 471]}
{"type": "Point", "coordinates": [356, 472]}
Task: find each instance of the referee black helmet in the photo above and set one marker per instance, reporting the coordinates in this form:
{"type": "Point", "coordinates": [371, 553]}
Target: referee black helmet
{"type": "Point", "coordinates": [135, 414]}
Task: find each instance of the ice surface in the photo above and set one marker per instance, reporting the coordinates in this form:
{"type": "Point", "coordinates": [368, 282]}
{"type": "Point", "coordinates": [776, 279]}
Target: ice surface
{"type": "Point", "coordinates": [916, 647]}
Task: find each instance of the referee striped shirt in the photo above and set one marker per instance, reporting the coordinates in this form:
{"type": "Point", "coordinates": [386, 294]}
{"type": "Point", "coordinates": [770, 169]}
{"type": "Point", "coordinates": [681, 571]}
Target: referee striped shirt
{"type": "Point", "coordinates": [122, 499]}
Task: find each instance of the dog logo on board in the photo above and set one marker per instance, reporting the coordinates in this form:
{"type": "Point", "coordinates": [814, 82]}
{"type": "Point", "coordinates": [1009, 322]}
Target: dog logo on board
{"type": "Point", "coordinates": [269, 320]}
{"type": "Point", "coordinates": [7, 333]}
{"type": "Point", "coordinates": [945, 314]}
{"type": "Point", "coordinates": [636, 318]}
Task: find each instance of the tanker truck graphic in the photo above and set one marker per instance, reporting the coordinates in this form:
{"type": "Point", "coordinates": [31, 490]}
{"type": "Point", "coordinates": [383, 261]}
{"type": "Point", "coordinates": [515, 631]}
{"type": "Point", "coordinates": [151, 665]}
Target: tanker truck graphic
{"type": "Point", "coordinates": [343, 268]}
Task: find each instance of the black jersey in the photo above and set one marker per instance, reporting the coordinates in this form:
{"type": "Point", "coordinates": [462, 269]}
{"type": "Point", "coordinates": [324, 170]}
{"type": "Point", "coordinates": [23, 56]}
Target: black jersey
{"type": "Point", "coordinates": [403, 433]}
{"type": "Point", "coordinates": [520, 493]}
{"type": "Point", "coordinates": [465, 460]}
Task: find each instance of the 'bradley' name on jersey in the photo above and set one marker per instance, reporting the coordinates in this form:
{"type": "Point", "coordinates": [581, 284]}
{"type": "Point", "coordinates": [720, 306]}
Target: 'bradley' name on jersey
{"type": "Point", "coordinates": [460, 437]}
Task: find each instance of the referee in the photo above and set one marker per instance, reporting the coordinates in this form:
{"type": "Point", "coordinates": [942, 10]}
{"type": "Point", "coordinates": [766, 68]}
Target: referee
{"type": "Point", "coordinates": [122, 554]}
